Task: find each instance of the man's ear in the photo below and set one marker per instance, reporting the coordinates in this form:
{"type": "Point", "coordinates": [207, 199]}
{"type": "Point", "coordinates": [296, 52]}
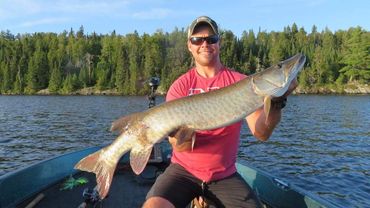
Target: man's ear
{"type": "Point", "coordinates": [189, 44]}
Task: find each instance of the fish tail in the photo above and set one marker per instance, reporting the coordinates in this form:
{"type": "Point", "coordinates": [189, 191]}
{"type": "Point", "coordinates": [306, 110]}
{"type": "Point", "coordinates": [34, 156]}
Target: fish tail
{"type": "Point", "coordinates": [103, 169]}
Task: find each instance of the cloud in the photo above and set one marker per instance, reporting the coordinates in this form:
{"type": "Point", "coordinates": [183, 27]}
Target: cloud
{"type": "Point", "coordinates": [44, 21]}
{"type": "Point", "coordinates": [89, 6]}
{"type": "Point", "coordinates": [17, 14]}
{"type": "Point", "coordinates": [18, 8]}
{"type": "Point", "coordinates": [156, 13]}
{"type": "Point", "coordinates": [11, 9]}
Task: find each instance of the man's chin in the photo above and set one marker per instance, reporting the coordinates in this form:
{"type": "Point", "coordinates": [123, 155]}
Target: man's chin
{"type": "Point", "coordinates": [206, 58]}
{"type": "Point", "coordinates": [206, 62]}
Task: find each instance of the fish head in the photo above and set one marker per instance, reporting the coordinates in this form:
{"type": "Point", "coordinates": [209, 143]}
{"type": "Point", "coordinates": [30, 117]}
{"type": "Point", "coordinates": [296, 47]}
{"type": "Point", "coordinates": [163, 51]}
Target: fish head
{"type": "Point", "coordinates": [275, 80]}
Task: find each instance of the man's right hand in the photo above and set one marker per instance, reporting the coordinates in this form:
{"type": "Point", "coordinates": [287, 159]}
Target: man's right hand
{"type": "Point", "coordinates": [182, 139]}
{"type": "Point", "coordinates": [186, 146]}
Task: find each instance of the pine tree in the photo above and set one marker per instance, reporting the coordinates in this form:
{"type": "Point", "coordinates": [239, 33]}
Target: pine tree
{"type": "Point", "coordinates": [356, 55]}
{"type": "Point", "coordinates": [38, 72]}
{"type": "Point", "coordinates": [105, 65]}
{"type": "Point", "coordinates": [19, 83]}
{"type": "Point", "coordinates": [55, 80]}
{"type": "Point", "coordinates": [121, 69]}
{"type": "Point", "coordinates": [134, 48]}
{"type": "Point", "coordinates": [5, 75]}
{"type": "Point", "coordinates": [229, 53]}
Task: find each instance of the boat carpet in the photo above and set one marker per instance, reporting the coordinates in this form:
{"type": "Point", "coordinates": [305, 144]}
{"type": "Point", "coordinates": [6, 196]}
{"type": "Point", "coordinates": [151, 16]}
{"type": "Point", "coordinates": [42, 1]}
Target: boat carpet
{"type": "Point", "coordinates": [127, 190]}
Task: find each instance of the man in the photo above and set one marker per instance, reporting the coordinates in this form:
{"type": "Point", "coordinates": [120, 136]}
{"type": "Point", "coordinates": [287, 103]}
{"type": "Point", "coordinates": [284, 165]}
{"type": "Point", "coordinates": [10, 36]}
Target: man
{"type": "Point", "coordinates": [209, 168]}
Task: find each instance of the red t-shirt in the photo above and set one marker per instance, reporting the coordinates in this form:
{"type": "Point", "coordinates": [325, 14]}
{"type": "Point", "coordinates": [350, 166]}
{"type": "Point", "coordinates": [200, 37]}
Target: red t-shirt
{"type": "Point", "coordinates": [215, 151]}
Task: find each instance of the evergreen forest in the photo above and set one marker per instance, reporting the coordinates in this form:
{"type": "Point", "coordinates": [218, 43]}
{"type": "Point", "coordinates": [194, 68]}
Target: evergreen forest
{"type": "Point", "coordinates": [72, 60]}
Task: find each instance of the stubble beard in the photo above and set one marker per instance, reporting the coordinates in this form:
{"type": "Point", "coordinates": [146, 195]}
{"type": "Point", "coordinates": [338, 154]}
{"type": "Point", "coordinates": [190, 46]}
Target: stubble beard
{"type": "Point", "coordinates": [207, 59]}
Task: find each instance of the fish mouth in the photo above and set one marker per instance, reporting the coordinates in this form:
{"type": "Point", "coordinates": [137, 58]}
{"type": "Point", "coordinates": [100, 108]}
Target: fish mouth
{"type": "Point", "coordinates": [297, 61]}
{"type": "Point", "coordinates": [290, 71]}
{"type": "Point", "coordinates": [292, 66]}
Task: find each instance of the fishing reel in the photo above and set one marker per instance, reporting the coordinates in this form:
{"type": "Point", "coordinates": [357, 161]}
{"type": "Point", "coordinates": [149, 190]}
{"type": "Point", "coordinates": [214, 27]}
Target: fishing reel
{"type": "Point", "coordinates": [91, 198]}
{"type": "Point", "coordinates": [154, 83]}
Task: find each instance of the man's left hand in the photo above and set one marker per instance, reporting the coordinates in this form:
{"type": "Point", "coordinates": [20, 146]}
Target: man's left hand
{"type": "Point", "coordinates": [279, 103]}
{"type": "Point", "coordinates": [291, 88]}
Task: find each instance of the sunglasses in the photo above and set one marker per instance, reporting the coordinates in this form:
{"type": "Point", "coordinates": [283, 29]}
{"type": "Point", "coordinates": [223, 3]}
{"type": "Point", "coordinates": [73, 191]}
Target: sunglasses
{"type": "Point", "coordinates": [199, 40]}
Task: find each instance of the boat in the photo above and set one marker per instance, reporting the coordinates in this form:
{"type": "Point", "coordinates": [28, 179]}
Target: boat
{"type": "Point", "coordinates": [55, 183]}
{"type": "Point", "coordinates": [48, 184]}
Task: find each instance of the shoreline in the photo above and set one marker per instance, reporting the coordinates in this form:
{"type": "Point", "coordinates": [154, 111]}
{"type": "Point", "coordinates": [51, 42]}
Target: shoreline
{"type": "Point", "coordinates": [346, 90]}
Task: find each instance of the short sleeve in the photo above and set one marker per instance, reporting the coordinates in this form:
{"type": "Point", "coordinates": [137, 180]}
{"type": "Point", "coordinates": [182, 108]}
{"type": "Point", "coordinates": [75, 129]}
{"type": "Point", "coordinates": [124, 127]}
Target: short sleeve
{"type": "Point", "coordinates": [177, 90]}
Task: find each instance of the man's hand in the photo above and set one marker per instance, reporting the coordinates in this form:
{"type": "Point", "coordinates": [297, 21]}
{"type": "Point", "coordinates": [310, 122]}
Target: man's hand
{"type": "Point", "coordinates": [291, 88]}
{"type": "Point", "coordinates": [186, 146]}
{"type": "Point", "coordinates": [262, 126]}
{"type": "Point", "coordinates": [182, 139]}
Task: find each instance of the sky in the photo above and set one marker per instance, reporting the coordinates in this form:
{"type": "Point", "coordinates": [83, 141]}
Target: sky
{"type": "Point", "coordinates": [149, 16]}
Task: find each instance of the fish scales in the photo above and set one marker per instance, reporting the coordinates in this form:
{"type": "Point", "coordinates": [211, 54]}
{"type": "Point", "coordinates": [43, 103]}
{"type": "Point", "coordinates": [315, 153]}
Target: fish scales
{"type": "Point", "coordinates": [208, 110]}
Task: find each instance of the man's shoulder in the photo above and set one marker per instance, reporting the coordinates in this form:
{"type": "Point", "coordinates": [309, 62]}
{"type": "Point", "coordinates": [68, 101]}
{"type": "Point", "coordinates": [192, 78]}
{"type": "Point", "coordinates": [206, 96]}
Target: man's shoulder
{"type": "Point", "coordinates": [233, 71]}
{"type": "Point", "coordinates": [180, 87]}
{"type": "Point", "coordinates": [233, 74]}
{"type": "Point", "coordinates": [185, 78]}
{"type": "Point", "coordinates": [188, 75]}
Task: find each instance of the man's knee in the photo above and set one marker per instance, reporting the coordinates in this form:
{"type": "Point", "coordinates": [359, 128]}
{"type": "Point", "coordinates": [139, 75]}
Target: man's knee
{"type": "Point", "coordinates": [157, 201]}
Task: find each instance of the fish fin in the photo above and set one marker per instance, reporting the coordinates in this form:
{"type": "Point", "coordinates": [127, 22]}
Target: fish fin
{"type": "Point", "coordinates": [267, 107]}
{"type": "Point", "coordinates": [122, 123]}
{"type": "Point", "coordinates": [103, 169]}
{"type": "Point", "coordinates": [139, 157]}
{"type": "Point", "coordinates": [183, 134]}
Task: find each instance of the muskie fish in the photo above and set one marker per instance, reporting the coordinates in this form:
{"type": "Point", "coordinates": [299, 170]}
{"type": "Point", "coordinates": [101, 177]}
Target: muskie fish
{"type": "Point", "coordinates": [214, 109]}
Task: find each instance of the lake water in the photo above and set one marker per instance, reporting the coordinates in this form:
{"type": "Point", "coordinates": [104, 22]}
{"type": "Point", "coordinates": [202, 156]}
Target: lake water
{"type": "Point", "coordinates": [321, 145]}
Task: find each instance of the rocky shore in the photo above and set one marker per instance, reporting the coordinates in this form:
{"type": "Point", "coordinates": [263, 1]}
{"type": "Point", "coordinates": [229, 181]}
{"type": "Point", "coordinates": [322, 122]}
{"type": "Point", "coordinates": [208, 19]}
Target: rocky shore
{"type": "Point", "coordinates": [350, 89]}
{"type": "Point", "coordinates": [347, 89]}
{"type": "Point", "coordinates": [83, 91]}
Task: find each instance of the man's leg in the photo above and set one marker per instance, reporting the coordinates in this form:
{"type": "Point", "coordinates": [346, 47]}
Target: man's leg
{"type": "Point", "coordinates": [156, 201]}
{"type": "Point", "coordinates": [232, 191]}
{"type": "Point", "coordinates": [173, 188]}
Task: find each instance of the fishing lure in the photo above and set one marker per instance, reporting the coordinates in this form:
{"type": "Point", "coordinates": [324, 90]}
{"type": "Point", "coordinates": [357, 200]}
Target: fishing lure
{"type": "Point", "coordinates": [71, 183]}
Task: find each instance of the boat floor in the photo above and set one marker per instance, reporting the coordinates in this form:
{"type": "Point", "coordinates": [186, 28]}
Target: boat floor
{"type": "Point", "coordinates": [127, 190]}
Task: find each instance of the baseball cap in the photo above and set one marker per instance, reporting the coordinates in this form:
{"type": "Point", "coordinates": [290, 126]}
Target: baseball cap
{"type": "Point", "coordinates": [203, 19]}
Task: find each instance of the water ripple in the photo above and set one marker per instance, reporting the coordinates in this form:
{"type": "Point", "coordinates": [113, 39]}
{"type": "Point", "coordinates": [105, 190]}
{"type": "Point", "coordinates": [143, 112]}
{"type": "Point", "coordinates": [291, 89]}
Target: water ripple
{"type": "Point", "coordinates": [322, 143]}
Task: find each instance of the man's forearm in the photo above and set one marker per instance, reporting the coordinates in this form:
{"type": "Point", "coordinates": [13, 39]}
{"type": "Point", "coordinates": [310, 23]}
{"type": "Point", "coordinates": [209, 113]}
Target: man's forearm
{"type": "Point", "coordinates": [261, 127]}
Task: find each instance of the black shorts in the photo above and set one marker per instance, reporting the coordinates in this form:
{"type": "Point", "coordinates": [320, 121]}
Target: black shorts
{"type": "Point", "coordinates": [180, 187]}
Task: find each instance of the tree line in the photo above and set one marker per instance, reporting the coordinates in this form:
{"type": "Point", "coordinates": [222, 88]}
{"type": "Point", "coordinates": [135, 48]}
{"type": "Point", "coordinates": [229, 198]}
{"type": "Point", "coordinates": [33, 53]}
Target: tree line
{"type": "Point", "coordinates": [66, 62]}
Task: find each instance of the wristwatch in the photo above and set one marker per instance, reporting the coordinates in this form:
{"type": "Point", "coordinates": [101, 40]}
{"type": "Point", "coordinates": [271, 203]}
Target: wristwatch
{"type": "Point", "coordinates": [279, 104]}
